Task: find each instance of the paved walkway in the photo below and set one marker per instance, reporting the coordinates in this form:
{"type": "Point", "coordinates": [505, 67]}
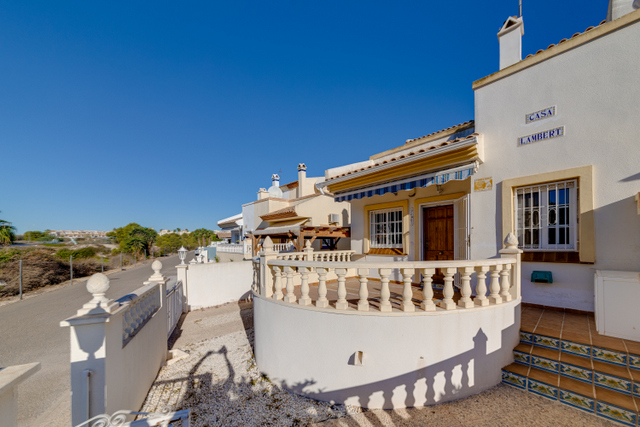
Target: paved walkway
{"type": "Point", "coordinates": [222, 385]}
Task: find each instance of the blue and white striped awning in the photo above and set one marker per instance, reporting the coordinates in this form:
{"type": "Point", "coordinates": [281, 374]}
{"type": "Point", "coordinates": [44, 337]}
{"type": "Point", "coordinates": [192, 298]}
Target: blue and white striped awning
{"type": "Point", "coordinates": [440, 177]}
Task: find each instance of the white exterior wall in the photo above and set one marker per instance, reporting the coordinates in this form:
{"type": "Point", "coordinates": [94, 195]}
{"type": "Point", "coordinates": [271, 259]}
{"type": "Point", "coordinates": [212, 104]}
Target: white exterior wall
{"type": "Point", "coordinates": [218, 283]}
{"type": "Point", "coordinates": [312, 352]}
{"type": "Point", "coordinates": [596, 87]}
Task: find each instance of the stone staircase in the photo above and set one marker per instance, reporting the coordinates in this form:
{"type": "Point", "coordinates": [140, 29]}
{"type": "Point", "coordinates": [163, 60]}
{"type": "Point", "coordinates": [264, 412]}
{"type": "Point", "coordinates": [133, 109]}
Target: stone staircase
{"type": "Point", "coordinates": [561, 357]}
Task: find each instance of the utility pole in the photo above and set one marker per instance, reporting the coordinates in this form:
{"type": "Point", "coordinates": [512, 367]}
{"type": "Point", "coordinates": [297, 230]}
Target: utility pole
{"type": "Point", "coordinates": [71, 267]}
{"type": "Point", "coordinates": [102, 263]}
{"type": "Point", "coordinates": [121, 262]}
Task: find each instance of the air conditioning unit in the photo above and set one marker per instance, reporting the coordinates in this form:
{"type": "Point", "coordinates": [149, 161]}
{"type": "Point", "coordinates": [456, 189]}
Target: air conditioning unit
{"type": "Point", "coordinates": [334, 218]}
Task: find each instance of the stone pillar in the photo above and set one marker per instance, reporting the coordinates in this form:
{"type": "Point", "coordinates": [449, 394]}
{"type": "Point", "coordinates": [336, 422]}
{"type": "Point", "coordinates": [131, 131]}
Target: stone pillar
{"type": "Point", "coordinates": [511, 251]}
{"type": "Point", "coordinates": [89, 350]}
{"type": "Point", "coordinates": [266, 276]}
{"type": "Point", "coordinates": [182, 276]}
{"type": "Point", "coordinates": [308, 251]}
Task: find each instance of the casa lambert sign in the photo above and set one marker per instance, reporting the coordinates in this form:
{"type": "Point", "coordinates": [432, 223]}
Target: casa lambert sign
{"type": "Point", "coordinates": [545, 113]}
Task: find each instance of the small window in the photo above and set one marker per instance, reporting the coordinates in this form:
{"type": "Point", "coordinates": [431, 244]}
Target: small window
{"type": "Point", "coordinates": [385, 228]}
{"type": "Point", "coordinates": [547, 216]}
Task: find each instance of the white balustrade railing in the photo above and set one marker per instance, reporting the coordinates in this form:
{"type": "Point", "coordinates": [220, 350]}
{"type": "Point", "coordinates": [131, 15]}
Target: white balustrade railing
{"type": "Point", "coordinates": [481, 283]}
{"type": "Point", "coordinates": [140, 307]}
{"type": "Point", "coordinates": [175, 301]}
{"type": "Point", "coordinates": [233, 248]}
{"type": "Point", "coordinates": [284, 247]}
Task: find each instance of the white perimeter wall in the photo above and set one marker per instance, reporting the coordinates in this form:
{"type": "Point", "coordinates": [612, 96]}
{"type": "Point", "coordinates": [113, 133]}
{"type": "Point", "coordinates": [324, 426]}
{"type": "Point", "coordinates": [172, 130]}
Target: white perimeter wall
{"type": "Point", "coordinates": [409, 360]}
{"type": "Point", "coordinates": [217, 283]}
{"type": "Point", "coordinates": [596, 88]}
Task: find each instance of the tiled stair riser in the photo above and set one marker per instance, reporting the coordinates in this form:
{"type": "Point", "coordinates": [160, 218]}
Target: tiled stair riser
{"type": "Point", "coordinates": [613, 383]}
{"type": "Point", "coordinates": [609, 356]}
{"type": "Point", "coordinates": [570, 398]}
{"type": "Point", "coordinates": [576, 372]}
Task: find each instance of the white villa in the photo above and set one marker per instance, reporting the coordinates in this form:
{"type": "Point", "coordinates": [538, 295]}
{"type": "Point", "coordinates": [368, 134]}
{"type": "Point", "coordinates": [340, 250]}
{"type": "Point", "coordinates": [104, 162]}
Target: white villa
{"type": "Point", "coordinates": [231, 229]}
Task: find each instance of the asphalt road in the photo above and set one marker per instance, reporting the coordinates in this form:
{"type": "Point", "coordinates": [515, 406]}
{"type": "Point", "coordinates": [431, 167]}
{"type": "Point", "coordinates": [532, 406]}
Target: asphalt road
{"type": "Point", "coordinates": [30, 332]}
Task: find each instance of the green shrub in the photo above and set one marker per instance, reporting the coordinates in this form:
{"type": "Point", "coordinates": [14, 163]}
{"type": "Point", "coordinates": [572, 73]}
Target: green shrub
{"type": "Point", "coordinates": [83, 253]}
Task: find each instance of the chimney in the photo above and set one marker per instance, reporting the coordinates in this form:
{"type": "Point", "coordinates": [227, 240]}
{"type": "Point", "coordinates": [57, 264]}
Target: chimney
{"type": "Point", "coordinates": [275, 180]}
{"type": "Point", "coordinates": [510, 39]}
{"type": "Point", "coordinates": [263, 193]}
{"type": "Point", "coordinates": [619, 8]}
{"type": "Point", "coordinates": [302, 175]}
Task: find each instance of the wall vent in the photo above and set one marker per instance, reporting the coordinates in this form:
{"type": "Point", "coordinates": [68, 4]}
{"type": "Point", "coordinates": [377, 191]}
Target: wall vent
{"type": "Point", "coordinates": [334, 218]}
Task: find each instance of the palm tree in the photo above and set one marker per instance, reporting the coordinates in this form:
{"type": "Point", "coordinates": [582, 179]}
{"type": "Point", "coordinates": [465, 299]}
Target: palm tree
{"type": "Point", "coordinates": [7, 233]}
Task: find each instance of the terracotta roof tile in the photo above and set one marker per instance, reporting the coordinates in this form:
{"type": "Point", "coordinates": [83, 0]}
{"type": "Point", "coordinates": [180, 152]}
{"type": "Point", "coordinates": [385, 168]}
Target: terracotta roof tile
{"type": "Point", "coordinates": [442, 130]}
{"type": "Point", "coordinates": [564, 40]}
{"type": "Point", "coordinates": [288, 212]}
{"type": "Point", "coordinates": [422, 150]}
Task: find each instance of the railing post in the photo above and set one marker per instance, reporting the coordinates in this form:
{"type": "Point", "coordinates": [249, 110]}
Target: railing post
{"type": "Point", "coordinates": [511, 251]}
{"type": "Point", "coordinates": [465, 290]}
{"type": "Point", "coordinates": [304, 286]}
{"type": "Point", "coordinates": [322, 301]}
{"type": "Point", "coordinates": [308, 251]}
{"type": "Point", "coordinates": [427, 289]}
{"type": "Point", "coordinates": [504, 283]}
{"type": "Point", "coordinates": [494, 286]}
{"type": "Point", "coordinates": [447, 302]}
{"type": "Point", "coordinates": [363, 303]}
{"type": "Point", "coordinates": [10, 378]}
{"type": "Point", "coordinates": [266, 277]}
{"type": "Point", "coordinates": [407, 292]}
{"type": "Point", "coordinates": [291, 296]}
{"type": "Point", "coordinates": [182, 276]}
{"type": "Point", "coordinates": [385, 305]}
{"type": "Point", "coordinates": [342, 303]}
{"type": "Point", "coordinates": [481, 286]}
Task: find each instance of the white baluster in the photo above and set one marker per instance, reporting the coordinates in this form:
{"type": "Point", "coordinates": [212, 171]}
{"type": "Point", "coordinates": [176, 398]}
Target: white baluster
{"type": "Point", "coordinates": [363, 303]}
{"type": "Point", "coordinates": [481, 287]}
{"type": "Point", "coordinates": [407, 292]}
{"type": "Point", "coordinates": [465, 290]}
{"type": "Point", "coordinates": [427, 289]}
{"type": "Point", "coordinates": [505, 283]}
{"type": "Point", "coordinates": [322, 301]}
{"type": "Point", "coordinates": [291, 296]}
{"type": "Point", "coordinates": [447, 302]}
{"type": "Point", "coordinates": [342, 303]}
{"type": "Point", "coordinates": [277, 280]}
{"type": "Point", "coordinates": [385, 305]}
{"type": "Point", "coordinates": [494, 286]}
{"type": "Point", "coordinates": [304, 286]}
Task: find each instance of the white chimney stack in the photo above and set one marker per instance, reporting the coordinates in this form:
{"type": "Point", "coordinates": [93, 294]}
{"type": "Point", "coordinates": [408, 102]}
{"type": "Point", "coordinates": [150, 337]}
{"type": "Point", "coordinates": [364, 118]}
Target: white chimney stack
{"type": "Point", "coordinates": [275, 180]}
{"type": "Point", "coordinates": [302, 176]}
{"type": "Point", "coordinates": [510, 39]}
{"type": "Point", "coordinates": [619, 8]}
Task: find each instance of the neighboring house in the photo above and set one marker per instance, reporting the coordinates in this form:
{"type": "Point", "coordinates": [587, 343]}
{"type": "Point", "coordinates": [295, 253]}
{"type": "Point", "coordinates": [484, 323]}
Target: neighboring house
{"type": "Point", "coordinates": [552, 156]}
{"type": "Point", "coordinates": [165, 231]}
{"type": "Point", "coordinates": [296, 211]}
{"type": "Point", "coordinates": [231, 229]}
{"type": "Point", "coordinates": [79, 233]}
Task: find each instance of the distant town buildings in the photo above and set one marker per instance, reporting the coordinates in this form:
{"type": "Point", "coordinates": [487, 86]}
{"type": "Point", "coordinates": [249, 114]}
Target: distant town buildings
{"type": "Point", "coordinates": [163, 232]}
{"type": "Point", "coordinates": [74, 234]}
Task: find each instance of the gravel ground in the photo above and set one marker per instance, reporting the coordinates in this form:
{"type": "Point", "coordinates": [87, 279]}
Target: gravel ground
{"type": "Point", "coordinates": [221, 384]}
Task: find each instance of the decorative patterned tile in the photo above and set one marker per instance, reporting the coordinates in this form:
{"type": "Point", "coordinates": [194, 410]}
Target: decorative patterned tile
{"type": "Point", "coordinates": [634, 362]}
{"type": "Point", "coordinates": [615, 413]}
{"type": "Point", "coordinates": [514, 379]}
{"type": "Point", "coordinates": [547, 342]}
{"type": "Point", "coordinates": [543, 389]}
{"type": "Point", "coordinates": [520, 357]}
{"type": "Point", "coordinates": [545, 364]}
{"type": "Point", "coordinates": [526, 337]}
{"type": "Point", "coordinates": [438, 286]}
{"type": "Point", "coordinates": [575, 348]}
{"type": "Point", "coordinates": [614, 383]}
{"type": "Point", "coordinates": [576, 372]}
{"type": "Point", "coordinates": [636, 389]}
{"type": "Point", "coordinates": [576, 400]}
{"type": "Point", "coordinates": [609, 356]}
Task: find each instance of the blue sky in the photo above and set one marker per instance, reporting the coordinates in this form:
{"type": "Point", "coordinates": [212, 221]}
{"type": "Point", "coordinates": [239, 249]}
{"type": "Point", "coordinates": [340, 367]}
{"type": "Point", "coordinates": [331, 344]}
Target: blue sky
{"type": "Point", "coordinates": [173, 114]}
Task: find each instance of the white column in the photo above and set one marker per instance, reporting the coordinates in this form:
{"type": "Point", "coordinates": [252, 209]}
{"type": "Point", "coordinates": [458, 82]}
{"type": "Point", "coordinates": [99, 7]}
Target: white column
{"type": "Point", "coordinates": [407, 292]}
{"type": "Point", "coordinates": [511, 251]}
{"type": "Point", "coordinates": [427, 289]}
{"type": "Point", "coordinates": [465, 289]}
{"type": "Point", "coordinates": [494, 286]}
{"type": "Point", "coordinates": [322, 301]}
{"type": "Point", "coordinates": [363, 303]}
{"type": "Point", "coordinates": [308, 251]}
{"type": "Point", "coordinates": [447, 302]}
{"type": "Point", "coordinates": [10, 378]}
{"type": "Point", "coordinates": [385, 305]}
{"type": "Point", "coordinates": [304, 286]}
{"type": "Point", "coordinates": [291, 296]}
{"type": "Point", "coordinates": [504, 283]}
{"type": "Point", "coordinates": [342, 304]}
{"type": "Point", "coordinates": [481, 287]}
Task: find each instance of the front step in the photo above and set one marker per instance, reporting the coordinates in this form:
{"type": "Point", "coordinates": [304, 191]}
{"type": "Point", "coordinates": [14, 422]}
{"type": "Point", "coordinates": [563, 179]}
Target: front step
{"type": "Point", "coordinates": [596, 379]}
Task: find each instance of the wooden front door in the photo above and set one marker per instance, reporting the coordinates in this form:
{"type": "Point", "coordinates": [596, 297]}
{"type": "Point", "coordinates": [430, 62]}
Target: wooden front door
{"type": "Point", "coordinates": [437, 235]}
